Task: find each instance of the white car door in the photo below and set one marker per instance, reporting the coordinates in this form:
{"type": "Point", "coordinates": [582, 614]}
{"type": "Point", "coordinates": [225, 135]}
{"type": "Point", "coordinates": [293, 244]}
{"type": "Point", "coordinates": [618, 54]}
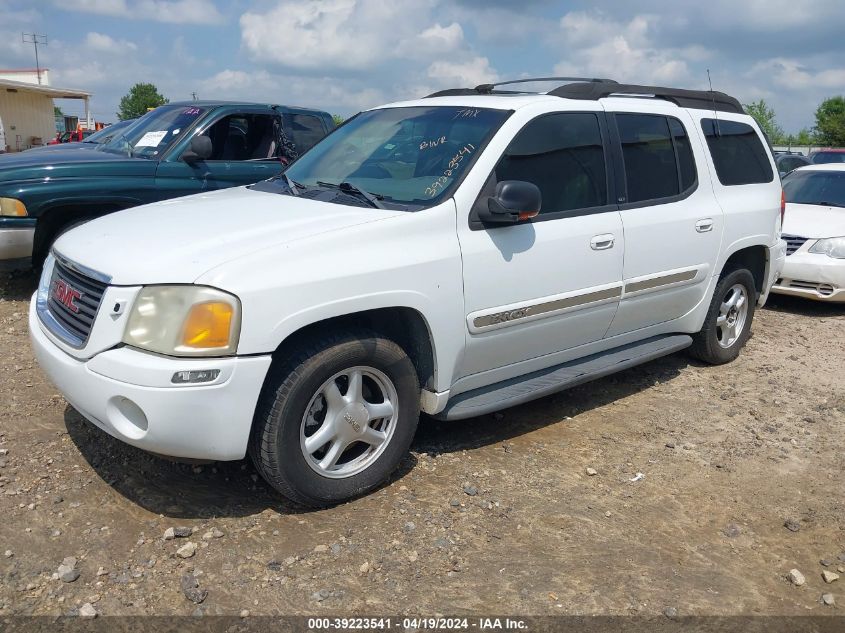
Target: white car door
{"type": "Point", "coordinates": [672, 222]}
{"type": "Point", "coordinates": [553, 282]}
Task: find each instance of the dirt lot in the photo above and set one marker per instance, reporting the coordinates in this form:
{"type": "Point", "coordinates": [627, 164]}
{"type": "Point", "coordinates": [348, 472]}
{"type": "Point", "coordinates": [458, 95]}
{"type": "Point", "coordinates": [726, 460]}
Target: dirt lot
{"type": "Point", "coordinates": [495, 514]}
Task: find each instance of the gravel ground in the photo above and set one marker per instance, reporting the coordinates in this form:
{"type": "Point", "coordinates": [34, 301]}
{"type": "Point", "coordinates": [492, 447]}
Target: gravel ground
{"type": "Point", "coordinates": [669, 488]}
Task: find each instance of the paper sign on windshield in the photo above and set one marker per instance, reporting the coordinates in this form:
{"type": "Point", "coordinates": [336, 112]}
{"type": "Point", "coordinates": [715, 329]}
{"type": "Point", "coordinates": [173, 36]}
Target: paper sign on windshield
{"type": "Point", "coordinates": [151, 139]}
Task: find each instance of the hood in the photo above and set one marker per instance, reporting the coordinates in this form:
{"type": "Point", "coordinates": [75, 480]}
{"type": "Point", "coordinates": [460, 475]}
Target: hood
{"type": "Point", "coordinates": [70, 163]}
{"type": "Point", "coordinates": [63, 147]}
{"type": "Point", "coordinates": [813, 220]}
{"type": "Point", "coordinates": [176, 241]}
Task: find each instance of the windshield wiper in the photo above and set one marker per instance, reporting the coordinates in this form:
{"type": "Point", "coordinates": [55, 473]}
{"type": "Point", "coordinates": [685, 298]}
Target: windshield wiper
{"type": "Point", "coordinates": [349, 188]}
{"type": "Point", "coordinates": [292, 184]}
{"type": "Point", "coordinates": [830, 204]}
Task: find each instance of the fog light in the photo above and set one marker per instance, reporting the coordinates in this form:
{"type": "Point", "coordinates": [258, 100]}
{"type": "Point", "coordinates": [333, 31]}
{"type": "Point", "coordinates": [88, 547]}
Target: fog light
{"type": "Point", "coordinates": [194, 376]}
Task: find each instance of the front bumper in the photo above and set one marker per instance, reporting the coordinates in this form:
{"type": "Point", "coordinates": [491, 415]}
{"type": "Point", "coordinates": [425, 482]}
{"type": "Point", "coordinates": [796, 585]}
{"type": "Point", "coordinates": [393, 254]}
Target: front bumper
{"type": "Point", "coordinates": [16, 243]}
{"type": "Point", "coordinates": [128, 394]}
{"type": "Point", "coordinates": [813, 276]}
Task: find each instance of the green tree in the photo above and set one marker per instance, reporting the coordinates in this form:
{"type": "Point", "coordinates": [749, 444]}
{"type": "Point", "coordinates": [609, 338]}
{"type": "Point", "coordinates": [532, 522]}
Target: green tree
{"type": "Point", "coordinates": [139, 99]}
{"type": "Point", "coordinates": [338, 119]}
{"type": "Point", "coordinates": [830, 122]}
{"type": "Point", "coordinates": [57, 111]}
{"type": "Point", "coordinates": [765, 117]}
{"type": "Point", "coordinates": [804, 137]}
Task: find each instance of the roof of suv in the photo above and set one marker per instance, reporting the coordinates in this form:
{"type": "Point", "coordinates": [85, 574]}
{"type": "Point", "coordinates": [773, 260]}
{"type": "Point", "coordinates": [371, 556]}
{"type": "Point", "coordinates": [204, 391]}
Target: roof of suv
{"type": "Point", "coordinates": [590, 89]}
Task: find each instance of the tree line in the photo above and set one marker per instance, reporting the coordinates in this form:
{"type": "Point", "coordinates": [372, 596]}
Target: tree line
{"type": "Point", "coordinates": [829, 130]}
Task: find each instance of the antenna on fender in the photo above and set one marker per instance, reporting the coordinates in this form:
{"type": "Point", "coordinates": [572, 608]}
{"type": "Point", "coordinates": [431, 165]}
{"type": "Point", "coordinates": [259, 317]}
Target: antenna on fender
{"type": "Point", "coordinates": [718, 129]}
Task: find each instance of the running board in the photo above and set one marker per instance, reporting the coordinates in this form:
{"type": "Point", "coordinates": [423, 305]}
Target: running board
{"type": "Point", "coordinates": [538, 384]}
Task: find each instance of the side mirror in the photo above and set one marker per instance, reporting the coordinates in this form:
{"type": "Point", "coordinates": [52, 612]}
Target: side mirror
{"type": "Point", "coordinates": [199, 149]}
{"type": "Point", "coordinates": [515, 201]}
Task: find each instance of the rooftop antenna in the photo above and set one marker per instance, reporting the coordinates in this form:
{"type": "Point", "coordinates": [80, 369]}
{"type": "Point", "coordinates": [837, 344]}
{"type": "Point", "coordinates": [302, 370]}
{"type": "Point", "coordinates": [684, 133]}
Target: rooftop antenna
{"type": "Point", "coordinates": [713, 99]}
{"type": "Point", "coordinates": [35, 39]}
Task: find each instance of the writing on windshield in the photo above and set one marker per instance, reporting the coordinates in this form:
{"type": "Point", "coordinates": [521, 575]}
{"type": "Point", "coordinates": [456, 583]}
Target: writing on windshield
{"type": "Point", "coordinates": [409, 157]}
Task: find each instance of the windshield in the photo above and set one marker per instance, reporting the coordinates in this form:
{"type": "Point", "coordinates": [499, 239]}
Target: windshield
{"type": "Point", "coordinates": [403, 157]}
{"type": "Point", "coordinates": [154, 132]}
{"type": "Point", "coordinates": [820, 158]}
{"type": "Point", "coordinates": [825, 188]}
{"type": "Point", "coordinates": [107, 133]}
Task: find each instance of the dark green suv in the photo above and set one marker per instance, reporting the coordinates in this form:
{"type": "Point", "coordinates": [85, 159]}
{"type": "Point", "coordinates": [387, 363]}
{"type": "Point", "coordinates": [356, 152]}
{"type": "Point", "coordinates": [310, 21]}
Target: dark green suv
{"type": "Point", "coordinates": [175, 150]}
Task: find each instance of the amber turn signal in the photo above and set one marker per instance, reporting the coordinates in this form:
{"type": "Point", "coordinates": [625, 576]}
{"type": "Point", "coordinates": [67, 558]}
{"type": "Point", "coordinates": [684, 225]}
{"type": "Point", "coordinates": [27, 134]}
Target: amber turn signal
{"type": "Point", "coordinates": [208, 325]}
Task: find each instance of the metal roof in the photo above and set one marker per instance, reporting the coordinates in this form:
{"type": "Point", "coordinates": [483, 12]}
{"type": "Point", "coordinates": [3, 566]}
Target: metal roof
{"type": "Point", "coordinates": [50, 91]}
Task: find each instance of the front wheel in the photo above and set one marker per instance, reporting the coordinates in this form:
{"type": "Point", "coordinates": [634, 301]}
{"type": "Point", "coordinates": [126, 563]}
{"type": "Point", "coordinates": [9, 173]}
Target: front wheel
{"type": "Point", "coordinates": [336, 419]}
{"type": "Point", "coordinates": [728, 323]}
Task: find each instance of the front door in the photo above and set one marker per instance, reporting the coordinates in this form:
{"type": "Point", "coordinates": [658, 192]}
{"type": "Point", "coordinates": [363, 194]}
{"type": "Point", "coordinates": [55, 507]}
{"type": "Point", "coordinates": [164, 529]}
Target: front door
{"type": "Point", "coordinates": [246, 148]}
{"type": "Point", "coordinates": [554, 282]}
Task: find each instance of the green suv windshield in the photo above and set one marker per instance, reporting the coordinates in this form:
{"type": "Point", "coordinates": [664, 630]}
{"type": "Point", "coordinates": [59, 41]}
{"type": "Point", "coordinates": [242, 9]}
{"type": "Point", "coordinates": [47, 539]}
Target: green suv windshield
{"type": "Point", "coordinates": [154, 132]}
{"type": "Point", "coordinates": [402, 158]}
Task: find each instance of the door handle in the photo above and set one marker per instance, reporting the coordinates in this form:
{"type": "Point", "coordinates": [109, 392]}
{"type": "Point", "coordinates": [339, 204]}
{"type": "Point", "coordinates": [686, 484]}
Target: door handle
{"type": "Point", "coordinates": [702, 226]}
{"type": "Point", "coordinates": [602, 242]}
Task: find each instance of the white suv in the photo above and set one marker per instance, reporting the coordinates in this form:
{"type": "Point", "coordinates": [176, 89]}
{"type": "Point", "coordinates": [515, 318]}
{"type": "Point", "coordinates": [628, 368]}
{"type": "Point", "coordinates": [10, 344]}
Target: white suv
{"type": "Point", "coordinates": [455, 255]}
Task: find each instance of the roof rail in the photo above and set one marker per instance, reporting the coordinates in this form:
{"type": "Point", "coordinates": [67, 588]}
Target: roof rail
{"type": "Point", "coordinates": [701, 99]}
{"type": "Point", "coordinates": [486, 89]}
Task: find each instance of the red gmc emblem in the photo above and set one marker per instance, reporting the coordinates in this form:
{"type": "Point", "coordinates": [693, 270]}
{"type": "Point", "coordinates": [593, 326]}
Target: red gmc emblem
{"type": "Point", "coordinates": [66, 294]}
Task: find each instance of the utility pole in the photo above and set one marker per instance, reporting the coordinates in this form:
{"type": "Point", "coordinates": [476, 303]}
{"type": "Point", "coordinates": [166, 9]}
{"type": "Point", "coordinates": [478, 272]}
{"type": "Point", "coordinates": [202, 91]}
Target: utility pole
{"type": "Point", "coordinates": [194, 95]}
{"type": "Point", "coordinates": [35, 39]}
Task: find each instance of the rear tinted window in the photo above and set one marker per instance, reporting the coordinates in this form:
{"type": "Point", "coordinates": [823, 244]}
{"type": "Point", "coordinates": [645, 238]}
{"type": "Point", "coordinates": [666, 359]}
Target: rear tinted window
{"type": "Point", "coordinates": [820, 158]}
{"type": "Point", "coordinates": [738, 153]}
{"type": "Point", "coordinates": [657, 154]}
{"type": "Point", "coordinates": [304, 130]}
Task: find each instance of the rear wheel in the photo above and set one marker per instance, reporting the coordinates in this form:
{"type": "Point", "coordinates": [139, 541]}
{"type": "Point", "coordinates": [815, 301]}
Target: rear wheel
{"type": "Point", "coordinates": [728, 323]}
{"type": "Point", "coordinates": [335, 421]}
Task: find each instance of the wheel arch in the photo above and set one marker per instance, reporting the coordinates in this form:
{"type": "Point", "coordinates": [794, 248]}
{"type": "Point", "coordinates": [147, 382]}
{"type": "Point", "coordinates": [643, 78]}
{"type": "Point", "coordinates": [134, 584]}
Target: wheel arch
{"type": "Point", "coordinates": [755, 258]}
{"type": "Point", "coordinates": [60, 214]}
{"type": "Point", "coordinates": [404, 325]}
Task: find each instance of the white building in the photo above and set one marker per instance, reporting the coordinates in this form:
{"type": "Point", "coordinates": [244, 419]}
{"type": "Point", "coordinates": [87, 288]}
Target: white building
{"type": "Point", "coordinates": [26, 107]}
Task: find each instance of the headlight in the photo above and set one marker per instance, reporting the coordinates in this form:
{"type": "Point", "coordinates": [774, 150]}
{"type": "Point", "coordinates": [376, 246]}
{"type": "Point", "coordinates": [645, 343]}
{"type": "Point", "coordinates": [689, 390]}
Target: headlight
{"type": "Point", "coordinates": [12, 207]}
{"type": "Point", "coordinates": [184, 321]}
{"type": "Point", "coordinates": [44, 282]}
{"type": "Point", "coordinates": [831, 246]}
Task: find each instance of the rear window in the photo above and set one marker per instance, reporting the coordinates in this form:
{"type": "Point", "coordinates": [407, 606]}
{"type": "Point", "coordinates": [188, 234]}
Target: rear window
{"type": "Point", "coordinates": [305, 130]}
{"type": "Point", "coordinates": [820, 158]}
{"type": "Point", "coordinates": [738, 153]}
{"type": "Point", "coordinates": [657, 155]}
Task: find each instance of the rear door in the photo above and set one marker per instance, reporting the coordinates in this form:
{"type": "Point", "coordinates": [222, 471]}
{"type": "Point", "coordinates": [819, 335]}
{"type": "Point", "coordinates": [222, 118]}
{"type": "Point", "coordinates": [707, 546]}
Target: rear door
{"type": "Point", "coordinates": [673, 225]}
{"type": "Point", "coordinates": [303, 130]}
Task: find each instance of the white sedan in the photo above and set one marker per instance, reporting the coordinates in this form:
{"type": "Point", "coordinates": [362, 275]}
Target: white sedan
{"type": "Point", "coordinates": [814, 230]}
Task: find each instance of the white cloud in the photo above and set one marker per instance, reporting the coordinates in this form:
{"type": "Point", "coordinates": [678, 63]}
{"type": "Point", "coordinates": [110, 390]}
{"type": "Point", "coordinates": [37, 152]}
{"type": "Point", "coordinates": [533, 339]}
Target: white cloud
{"type": "Point", "coordinates": [101, 43]}
{"type": "Point", "coordinates": [171, 11]}
{"type": "Point", "coordinates": [792, 75]}
{"type": "Point", "coordinates": [472, 72]}
{"type": "Point", "coordinates": [598, 45]}
{"type": "Point", "coordinates": [442, 38]}
{"type": "Point", "coordinates": [336, 95]}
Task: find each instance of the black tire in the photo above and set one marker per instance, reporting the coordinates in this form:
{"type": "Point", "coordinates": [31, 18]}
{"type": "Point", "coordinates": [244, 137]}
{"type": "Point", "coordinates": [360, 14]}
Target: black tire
{"type": "Point", "coordinates": [275, 440]}
{"type": "Point", "coordinates": [706, 346]}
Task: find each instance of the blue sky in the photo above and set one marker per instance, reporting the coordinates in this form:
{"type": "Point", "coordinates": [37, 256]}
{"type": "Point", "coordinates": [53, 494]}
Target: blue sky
{"type": "Point", "coordinates": [346, 55]}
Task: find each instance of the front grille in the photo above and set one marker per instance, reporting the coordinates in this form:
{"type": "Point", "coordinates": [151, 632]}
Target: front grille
{"type": "Point", "coordinates": [70, 289]}
{"type": "Point", "coordinates": [793, 243]}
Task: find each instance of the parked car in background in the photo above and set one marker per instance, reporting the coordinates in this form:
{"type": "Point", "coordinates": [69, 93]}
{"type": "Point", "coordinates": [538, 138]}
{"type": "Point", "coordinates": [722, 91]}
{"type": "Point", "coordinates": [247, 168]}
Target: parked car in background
{"type": "Point", "coordinates": [787, 161]}
{"type": "Point", "coordinates": [823, 156]}
{"type": "Point", "coordinates": [814, 230]}
{"type": "Point", "coordinates": [70, 136]}
{"type": "Point", "coordinates": [172, 151]}
{"type": "Point", "coordinates": [97, 138]}
{"type": "Point", "coordinates": [457, 254]}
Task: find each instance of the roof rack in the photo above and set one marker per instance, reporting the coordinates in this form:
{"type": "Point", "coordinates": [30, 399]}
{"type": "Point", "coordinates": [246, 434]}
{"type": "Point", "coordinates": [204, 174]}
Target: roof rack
{"type": "Point", "coordinates": [486, 89]}
{"type": "Point", "coordinates": [701, 99]}
{"type": "Point", "coordinates": [593, 89]}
